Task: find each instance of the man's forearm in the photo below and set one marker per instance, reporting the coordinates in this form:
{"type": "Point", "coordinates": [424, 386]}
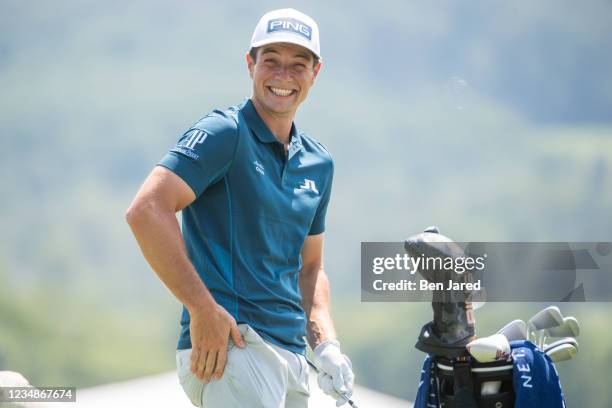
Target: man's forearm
{"type": "Point", "coordinates": [314, 286]}
{"type": "Point", "coordinates": [159, 237]}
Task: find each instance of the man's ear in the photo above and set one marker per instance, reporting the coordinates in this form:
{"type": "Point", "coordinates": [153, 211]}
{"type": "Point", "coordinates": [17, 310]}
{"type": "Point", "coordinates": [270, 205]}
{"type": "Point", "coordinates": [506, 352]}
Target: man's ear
{"type": "Point", "coordinates": [250, 64]}
{"type": "Point", "coordinates": [316, 71]}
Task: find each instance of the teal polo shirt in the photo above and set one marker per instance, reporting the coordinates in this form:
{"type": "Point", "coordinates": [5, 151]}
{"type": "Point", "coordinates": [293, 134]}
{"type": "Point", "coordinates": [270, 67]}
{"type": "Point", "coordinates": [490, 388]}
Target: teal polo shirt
{"type": "Point", "coordinates": [255, 205]}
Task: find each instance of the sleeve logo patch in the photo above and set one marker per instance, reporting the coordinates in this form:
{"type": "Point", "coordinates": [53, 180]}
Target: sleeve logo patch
{"type": "Point", "coordinates": [194, 138]}
{"type": "Point", "coordinates": [291, 25]}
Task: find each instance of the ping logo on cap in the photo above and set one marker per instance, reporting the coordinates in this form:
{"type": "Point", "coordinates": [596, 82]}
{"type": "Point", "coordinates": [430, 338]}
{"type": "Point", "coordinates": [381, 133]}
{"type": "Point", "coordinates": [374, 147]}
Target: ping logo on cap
{"type": "Point", "coordinates": [291, 25]}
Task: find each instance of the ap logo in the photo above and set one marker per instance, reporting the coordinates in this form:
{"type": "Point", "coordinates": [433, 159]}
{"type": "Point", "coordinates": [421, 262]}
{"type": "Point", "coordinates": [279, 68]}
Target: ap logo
{"type": "Point", "coordinates": [195, 137]}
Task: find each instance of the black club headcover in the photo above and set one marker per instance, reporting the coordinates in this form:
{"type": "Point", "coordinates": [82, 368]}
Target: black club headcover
{"type": "Point", "coordinates": [453, 323]}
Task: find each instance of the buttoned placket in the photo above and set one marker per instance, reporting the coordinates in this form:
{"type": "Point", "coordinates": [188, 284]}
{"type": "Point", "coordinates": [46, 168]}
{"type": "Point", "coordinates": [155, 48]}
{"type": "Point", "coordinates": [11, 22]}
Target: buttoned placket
{"type": "Point", "coordinates": [294, 147]}
{"type": "Point", "coordinates": [260, 129]}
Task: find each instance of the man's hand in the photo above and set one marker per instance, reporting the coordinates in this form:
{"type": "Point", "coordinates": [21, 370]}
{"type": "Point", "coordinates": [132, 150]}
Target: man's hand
{"type": "Point", "coordinates": [210, 333]}
{"type": "Point", "coordinates": [336, 376]}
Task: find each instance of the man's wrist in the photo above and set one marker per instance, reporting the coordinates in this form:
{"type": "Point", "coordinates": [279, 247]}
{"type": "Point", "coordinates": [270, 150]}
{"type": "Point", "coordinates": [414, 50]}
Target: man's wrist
{"type": "Point", "coordinates": [202, 304]}
{"type": "Point", "coordinates": [324, 344]}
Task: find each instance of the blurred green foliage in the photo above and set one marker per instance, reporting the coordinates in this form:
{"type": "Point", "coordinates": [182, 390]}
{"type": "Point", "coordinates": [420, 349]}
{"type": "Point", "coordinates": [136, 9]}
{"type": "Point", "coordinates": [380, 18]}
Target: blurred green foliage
{"type": "Point", "coordinates": [60, 337]}
{"type": "Point", "coordinates": [493, 121]}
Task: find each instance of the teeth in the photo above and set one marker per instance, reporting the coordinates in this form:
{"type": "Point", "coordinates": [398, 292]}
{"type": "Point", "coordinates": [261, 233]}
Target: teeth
{"type": "Point", "coordinates": [281, 92]}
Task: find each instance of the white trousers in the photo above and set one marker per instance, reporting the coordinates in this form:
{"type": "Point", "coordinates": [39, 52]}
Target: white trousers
{"type": "Point", "coordinates": [262, 375]}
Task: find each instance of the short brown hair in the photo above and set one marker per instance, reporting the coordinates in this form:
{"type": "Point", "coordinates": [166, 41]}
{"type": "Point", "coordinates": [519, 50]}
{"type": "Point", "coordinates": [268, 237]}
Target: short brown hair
{"type": "Point", "coordinates": [253, 54]}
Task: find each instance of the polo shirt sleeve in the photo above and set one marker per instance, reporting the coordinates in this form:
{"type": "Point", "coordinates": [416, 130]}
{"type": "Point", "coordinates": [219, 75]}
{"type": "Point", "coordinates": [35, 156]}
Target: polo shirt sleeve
{"type": "Point", "coordinates": [318, 223]}
{"type": "Point", "coordinates": [204, 153]}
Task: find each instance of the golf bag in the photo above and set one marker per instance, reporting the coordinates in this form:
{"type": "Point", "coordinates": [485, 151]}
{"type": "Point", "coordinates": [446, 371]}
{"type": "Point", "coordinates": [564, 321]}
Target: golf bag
{"type": "Point", "coordinates": [451, 378]}
{"type": "Point", "coordinates": [468, 383]}
{"type": "Point", "coordinates": [526, 379]}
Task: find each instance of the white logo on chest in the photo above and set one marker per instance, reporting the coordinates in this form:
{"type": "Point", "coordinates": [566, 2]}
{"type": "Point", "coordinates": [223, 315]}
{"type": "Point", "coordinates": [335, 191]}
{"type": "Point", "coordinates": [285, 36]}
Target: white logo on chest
{"type": "Point", "coordinates": [309, 185]}
{"type": "Point", "coordinates": [259, 167]}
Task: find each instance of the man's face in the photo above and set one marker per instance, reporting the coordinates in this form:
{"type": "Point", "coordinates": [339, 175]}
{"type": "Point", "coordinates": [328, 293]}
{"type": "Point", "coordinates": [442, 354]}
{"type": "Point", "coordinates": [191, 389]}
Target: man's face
{"type": "Point", "coordinates": [282, 76]}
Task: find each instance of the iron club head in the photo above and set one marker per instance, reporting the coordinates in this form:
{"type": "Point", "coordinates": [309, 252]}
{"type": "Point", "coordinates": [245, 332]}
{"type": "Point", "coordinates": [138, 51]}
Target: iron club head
{"type": "Point", "coordinates": [515, 330]}
{"type": "Point", "coordinates": [562, 350]}
{"type": "Point", "coordinates": [546, 318]}
{"type": "Point", "coordinates": [566, 340]}
{"type": "Point", "coordinates": [569, 328]}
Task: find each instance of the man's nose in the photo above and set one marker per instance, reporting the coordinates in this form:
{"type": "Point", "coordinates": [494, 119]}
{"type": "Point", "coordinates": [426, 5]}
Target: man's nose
{"type": "Point", "coordinates": [283, 72]}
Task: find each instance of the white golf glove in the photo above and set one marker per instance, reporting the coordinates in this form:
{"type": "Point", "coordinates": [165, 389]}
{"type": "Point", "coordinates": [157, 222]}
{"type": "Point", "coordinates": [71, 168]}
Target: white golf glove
{"type": "Point", "coordinates": [336, 376]}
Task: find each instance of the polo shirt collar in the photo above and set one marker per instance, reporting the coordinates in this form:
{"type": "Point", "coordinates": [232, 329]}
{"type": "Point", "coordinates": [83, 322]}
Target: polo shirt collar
{"type": "Point", "coordinates": [259, 127]}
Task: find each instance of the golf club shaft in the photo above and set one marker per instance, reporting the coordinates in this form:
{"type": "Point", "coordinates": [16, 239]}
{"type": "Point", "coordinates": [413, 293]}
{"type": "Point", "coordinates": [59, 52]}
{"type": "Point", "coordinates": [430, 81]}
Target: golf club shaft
{"type": "Point", "coordinates": [350, 401]}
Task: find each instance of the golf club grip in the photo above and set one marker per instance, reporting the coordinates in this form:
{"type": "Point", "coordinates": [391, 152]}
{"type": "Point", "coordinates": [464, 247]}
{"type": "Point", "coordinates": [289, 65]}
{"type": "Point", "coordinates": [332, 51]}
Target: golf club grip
{"type": "Point", "coordinates": [350, 401]}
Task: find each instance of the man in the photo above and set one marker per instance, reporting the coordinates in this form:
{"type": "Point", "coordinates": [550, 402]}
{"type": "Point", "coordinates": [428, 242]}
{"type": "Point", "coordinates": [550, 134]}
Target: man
{"type": "Point", "coordinates": [248, 267]}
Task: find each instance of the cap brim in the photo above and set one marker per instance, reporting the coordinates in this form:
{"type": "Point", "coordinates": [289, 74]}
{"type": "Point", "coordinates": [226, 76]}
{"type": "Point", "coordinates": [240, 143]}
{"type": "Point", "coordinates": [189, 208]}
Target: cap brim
{"type": "Point", "coordinates": [288, 40]}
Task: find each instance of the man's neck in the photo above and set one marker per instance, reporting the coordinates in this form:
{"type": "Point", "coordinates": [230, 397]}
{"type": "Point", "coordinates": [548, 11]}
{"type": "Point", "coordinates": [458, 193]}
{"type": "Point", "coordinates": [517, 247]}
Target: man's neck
{"type": "Point", "coordinates": [280, 126]}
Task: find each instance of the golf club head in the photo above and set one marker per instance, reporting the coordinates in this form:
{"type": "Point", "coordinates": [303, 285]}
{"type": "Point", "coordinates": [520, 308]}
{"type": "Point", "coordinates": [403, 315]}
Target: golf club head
{"type": "Point", "coordinates": [452, 327]}
{"type": "Point", "coordinates": [566, 340]}
{"type": "Point", "coordinates": [562, 352]}
{"type": "Point", "coordinates": [515, 330]}
{"type": "Point", "coordinates": [442, 245]}
{"type": "Point", "coordinates": [546, 318]}
{"type": "Point", "coordinates": [431, 244]}
{"type": "Point", "coordinates": [488, 349]}
{"type": "Point", "coordinates": [569, 328]}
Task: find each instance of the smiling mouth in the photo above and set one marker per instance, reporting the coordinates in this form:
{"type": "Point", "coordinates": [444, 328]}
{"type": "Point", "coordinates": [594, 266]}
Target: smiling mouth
{"type": "Point", "coordinates": [281, 91]}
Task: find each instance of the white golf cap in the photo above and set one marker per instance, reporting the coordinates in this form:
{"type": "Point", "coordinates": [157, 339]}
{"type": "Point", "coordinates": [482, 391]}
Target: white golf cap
{"type": "Point", "coordinates": [287, 26]}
